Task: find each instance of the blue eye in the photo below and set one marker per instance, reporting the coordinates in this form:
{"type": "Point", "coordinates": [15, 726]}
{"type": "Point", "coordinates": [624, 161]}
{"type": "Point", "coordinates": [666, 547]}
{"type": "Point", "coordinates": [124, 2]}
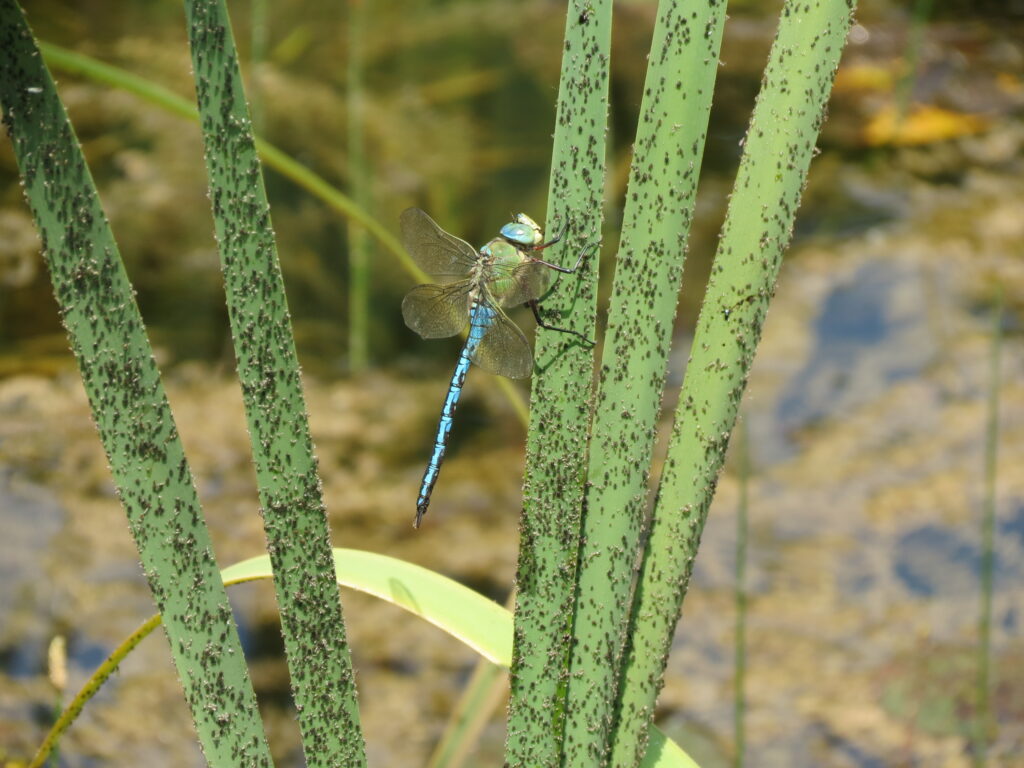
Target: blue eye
{"type": "Point", "coordinates": [521, 234]}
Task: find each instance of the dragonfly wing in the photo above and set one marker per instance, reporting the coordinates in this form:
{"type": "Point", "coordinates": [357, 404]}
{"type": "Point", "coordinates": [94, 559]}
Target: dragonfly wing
{"type": "Point", "coordinates": [437, 311]}
{"type": "Point", "coordinates": [432, 248]}
{"type": "Point", "coordinates": [524, 282]}
{"type": "Point", "coordinates": [504, 349]}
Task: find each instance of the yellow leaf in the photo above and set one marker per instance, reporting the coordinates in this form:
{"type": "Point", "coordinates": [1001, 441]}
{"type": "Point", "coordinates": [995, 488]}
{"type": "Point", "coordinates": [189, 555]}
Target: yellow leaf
{"type": "Point", "coordinates": [922, 124]}
{"type": "Point", "coordinates": [864, 77]}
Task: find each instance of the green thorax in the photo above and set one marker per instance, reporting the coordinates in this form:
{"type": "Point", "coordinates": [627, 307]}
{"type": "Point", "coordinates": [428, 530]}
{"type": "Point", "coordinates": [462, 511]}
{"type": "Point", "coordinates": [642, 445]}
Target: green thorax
{"type": "Point", "coordinates": [499, 259]}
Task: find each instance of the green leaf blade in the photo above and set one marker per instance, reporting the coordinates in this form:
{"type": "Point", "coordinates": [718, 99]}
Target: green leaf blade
{"type": "Point", "coordinates": [480, 623]}
{"type": "Point", "coordinates": [294, 516]}
{"type": "Point", "coordinates": [129, 405]}
{"type": "Point", "coordinates": [662, 188]}
{"type": "Point", "coordinates": [777, 153]}
{"type": "Point", "coordinates": [560, 402]}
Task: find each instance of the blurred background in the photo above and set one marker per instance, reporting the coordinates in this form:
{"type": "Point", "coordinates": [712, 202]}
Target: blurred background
{"type": "Point", "coordinates": [865, 414]}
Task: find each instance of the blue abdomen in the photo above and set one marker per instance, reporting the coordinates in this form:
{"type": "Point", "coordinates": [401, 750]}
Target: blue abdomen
{"type": "Point", "coordinates": [480, 319]}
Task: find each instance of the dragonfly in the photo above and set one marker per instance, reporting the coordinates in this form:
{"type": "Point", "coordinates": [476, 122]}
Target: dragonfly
{"type": "Point", "coordinates": [475, 285]}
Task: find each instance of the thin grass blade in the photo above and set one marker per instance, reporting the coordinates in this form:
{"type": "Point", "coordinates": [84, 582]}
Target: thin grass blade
{"type": "Point", "coordinates": [739, 684]}
{"type": "Point", "coordinates": [984, 724]}
{"type": "Point", "coordinates": [359, 184]}
{"type": "Point", "coordinates": [485, 691]}
{"type": "Point", "coordinates": [156, 94]}
{"type": "Point", "coordinates": [479, 699]}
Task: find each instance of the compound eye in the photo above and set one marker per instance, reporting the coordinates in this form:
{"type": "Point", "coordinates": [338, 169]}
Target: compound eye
{"type": "Point", "coordinates": [537, 235]}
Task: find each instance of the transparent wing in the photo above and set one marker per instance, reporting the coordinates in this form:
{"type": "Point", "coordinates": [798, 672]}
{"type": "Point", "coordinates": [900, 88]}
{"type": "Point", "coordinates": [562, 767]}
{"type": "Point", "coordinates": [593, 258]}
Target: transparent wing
{"type": "Point", "coordinates": [504, 349]}
{"type": "Point", "coordinates": [437, 311]}
{"type": "Point", "coordinates": [432, 248]}
{"type": "Point", "coordinates": [524, 282]}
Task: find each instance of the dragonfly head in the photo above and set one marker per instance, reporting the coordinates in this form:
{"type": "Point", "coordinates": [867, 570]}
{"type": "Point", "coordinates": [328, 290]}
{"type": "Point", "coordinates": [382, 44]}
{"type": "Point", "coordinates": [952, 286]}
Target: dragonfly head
{"type": "Point", "coordinates": [523, 231]}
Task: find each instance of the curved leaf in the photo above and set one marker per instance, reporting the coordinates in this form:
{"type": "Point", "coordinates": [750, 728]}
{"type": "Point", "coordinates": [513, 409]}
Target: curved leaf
{"type": "Point", "coordinates": [477, 621]}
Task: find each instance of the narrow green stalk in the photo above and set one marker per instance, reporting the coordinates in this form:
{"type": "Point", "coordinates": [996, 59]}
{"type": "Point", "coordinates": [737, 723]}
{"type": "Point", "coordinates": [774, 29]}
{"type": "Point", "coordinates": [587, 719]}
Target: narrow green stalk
{"type": "Point", "coordinates": [58, 708]}
{"type": "Point", "coordinates": [57, 665]}
{"type": "Point", "coordinates": [92, 685]}
{"type": "Point", "coordinates": [294, 517]}
{"type": "Point", "coordinates": [258, 36]}
{"type": "Point", "coordinates": [316, 185]}
{"type": "Point", "coordinates": [656, 224]}
{"type": "Point", "coordinates": [905, 87]}
{"type": "Point", "coordinates": [129, 405]}
{"type": "Point", "coordinates": [556, 446]}
{"type": "Point", "coordinates": [777, 152]}
{"type": "Point", "coordinates": [984, 724]}
{"type": "Point", "coordinates": [486, 689]}
{"type": "Point", "coordinates": [739, 696]}
{"type": "Point", "coordinates": [477, 703]}
{"type": "Point", "coordinates": [358, 243]}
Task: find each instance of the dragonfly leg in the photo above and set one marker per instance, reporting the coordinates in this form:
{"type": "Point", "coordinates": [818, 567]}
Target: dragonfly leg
{"type": "Point", "coordinates": [557, 239]}
{"type": "Point", "coordinates": [536, 314]}
{"type": "Point", "coordinates": [564, 270]}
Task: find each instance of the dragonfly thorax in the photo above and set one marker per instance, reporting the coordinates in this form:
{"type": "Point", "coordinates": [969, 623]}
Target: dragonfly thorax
{"type": "Point", "coordinates": [500, 258]}
{"type": "Point", "coordinates": [523, 231]}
